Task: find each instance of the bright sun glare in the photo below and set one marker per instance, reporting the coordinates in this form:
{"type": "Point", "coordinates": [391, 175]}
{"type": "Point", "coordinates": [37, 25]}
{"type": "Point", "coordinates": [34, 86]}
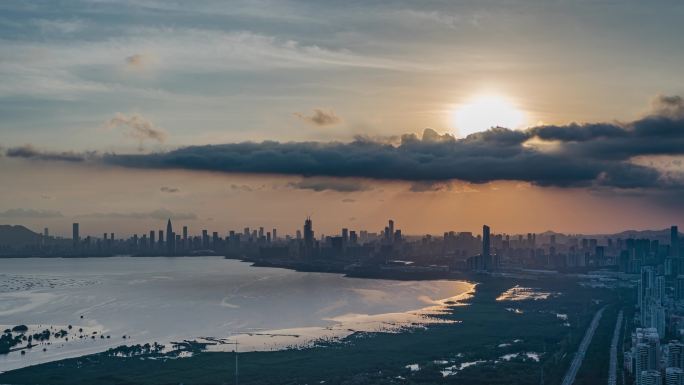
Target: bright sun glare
{"type": "Point", "coordinates": [484, 112]}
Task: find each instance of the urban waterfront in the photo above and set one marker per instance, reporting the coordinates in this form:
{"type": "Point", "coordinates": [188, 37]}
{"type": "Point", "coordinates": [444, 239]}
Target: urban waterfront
{"type": "Point", "coordinates": [168, 300]}
{"type": "Point", "coordinates": [301, 192]}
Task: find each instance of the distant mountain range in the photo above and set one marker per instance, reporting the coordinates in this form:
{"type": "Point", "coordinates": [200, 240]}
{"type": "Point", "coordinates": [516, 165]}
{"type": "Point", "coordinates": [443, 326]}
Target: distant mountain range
{"type": "Point", "coordinates": [17, 236]}
{"type": "Point", "coordinates": [637, 234]}
{"type": "Point", "coordinates": [645, 234]}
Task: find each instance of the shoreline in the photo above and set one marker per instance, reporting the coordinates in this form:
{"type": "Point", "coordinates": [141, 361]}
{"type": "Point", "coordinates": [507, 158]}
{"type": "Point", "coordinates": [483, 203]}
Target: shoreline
{"type": "Point", "coordinates": [374, 320]}
{"type": "Point", "coordinates": [340, 267]}
{"type": "Point", "coordinates": [337, 267]}
{"type": "Point", "coordinates": [485, 330]}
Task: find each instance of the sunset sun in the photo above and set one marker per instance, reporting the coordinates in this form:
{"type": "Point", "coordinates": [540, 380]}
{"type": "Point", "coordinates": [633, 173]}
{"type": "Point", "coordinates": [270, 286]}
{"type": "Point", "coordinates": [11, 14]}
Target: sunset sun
{"type": "Point", "coordinates": [341, 192]}
{"type": "Point", "coordinates": [483, 112]}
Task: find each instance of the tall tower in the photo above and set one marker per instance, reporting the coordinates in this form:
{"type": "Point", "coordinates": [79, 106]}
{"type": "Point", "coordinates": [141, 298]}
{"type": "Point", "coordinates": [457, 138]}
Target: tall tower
{"type": "Point", "coordinates": [674, 241]}
{"type": "Point", "coordinates": [486, 254]}
{"type": "Point", "coordinates": [170, 238]}
{"type": "Point", "coordinates": [75, 234]}
{"type": "Point", "coordinates": [308, 237]}
{"type": "Point", "coordinates": [185, 244]}
{"type": "Point", "coordinates": [390, 227]}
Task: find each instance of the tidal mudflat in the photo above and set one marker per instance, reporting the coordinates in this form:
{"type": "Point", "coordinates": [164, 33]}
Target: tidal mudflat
{"type": "Point", "coordinates": [110, 302]}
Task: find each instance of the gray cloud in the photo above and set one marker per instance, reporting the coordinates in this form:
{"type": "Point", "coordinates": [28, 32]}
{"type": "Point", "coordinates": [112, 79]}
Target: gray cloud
{"type": "Point", "coordinates": [171, 190]}
{"type": "Point", "coordinates": [597, 155]}
{"type": "Point", "coordinates": [30, 152]}
{"type": "Point", "coordinates": [319, 184]}
{"type": "Point", "coordinates": [30, 213]}
{"type": "Point", "coordinates": [320, 117]}
{"type": "Point", "coordinates": [138, 127]}
{"type": "Point", "coordinates": [160, 214]}
{"type": "Point", "coordinates": [429, 186]}
{"type": "Point", "coordinates": [498, 154]}
{"type": "Point", "coordinates": [669, 106]}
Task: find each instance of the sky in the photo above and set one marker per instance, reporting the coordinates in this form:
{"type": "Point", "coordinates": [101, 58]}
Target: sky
{"type": "Point", "coordinates": [222, 115]}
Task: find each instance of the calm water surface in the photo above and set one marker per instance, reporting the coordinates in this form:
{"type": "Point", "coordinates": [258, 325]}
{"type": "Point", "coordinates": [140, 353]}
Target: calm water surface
{"type": "Point", "coordinates": [172, 299]}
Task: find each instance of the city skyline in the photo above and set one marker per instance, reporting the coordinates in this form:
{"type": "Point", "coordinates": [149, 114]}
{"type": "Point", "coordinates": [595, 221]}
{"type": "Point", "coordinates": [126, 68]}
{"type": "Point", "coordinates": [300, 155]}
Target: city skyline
{"type": "Point", "coordinates": [297, 234]}
{"type": "Point", "coordinates": [413, 192]}
{"type": "Point", "coordinates": [168, 239]}
{"type": "Point", "coordinates": [196, 229]}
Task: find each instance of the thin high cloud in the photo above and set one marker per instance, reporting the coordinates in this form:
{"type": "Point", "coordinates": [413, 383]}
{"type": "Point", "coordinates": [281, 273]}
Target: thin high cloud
{"type": "Point", "coordinates": [176, 52]}
{"type": "Point", "coordinates": [29, 213]}
{"type": "Point", "coordinates": [160, 214]}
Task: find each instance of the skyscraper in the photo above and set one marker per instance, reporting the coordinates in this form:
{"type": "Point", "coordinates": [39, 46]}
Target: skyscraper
{"type": "Point", "coordinates": [679, 287]}
{"type": "Point", "coordinates": [308, 237]}
{"type": "Point", "coordinates": [75, 234]}
{"type": "Point", "coordinates": [640, 360]}
{"type": "Point", "coordinates": [650, 377]}
{"type": "Point", "coordinates": [675, 355]}
{"type": "Point", "coordinates": [170, 238]}
{"type": "Point", "coordinates": [486, 254]}
{"type": "Point", "coordinates": [674, 376]}
{"type": "Point", "coordinates": [674, 241]}
{"type": "Point", "coordinates": [390, 228]}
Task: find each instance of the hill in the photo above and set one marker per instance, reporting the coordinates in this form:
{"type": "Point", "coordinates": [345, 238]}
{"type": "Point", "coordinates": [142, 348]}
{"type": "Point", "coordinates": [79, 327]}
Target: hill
{"type": "Point", "coordinates": [17, 235]}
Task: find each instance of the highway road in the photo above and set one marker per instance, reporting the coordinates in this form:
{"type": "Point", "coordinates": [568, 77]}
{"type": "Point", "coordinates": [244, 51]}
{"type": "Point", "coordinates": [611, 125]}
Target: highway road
{"type": "Point", "coordinates": [582, 350]}
{"type": "Point", "coordinates": [612, 369]}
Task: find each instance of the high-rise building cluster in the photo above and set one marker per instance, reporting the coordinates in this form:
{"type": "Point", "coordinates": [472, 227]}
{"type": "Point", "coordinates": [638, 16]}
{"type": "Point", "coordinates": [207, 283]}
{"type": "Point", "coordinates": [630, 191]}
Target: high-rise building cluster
{"type": "Point", "coordinates": [160, 242]}
{"type": "Point", "coordinates": [250, 242]}
{"type": "Point", "coordinates": [657, 258]}
{"type": "Point", "coordinates": [656, 352]}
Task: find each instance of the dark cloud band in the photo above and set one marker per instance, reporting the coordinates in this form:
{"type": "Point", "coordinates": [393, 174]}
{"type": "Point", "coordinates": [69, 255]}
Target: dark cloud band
{"type": "Point", "coordinates": [581, 155]}
{"type": "Point", "coordinates": [29, 152]}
